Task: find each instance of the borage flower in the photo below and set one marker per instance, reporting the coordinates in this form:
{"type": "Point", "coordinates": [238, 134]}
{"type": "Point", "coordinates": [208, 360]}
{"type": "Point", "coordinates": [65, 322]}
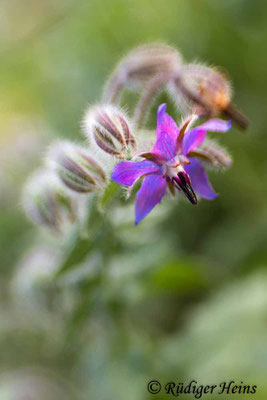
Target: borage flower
{"type": "Point", "coordinates": [173, 161]}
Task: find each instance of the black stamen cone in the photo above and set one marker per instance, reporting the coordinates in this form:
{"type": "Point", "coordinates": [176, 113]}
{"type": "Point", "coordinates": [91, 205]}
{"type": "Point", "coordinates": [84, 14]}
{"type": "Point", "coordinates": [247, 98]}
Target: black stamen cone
{"type": "Point", "coordinates": [190, 194]}
{"type": "Point", "coordinates": [187, 189]}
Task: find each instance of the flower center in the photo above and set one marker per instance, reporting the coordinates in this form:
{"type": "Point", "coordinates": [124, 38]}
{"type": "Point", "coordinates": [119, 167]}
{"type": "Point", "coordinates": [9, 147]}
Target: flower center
{"type": "Point", "coordinates": [175, 165]}
{"type": "Point", "coordinates": [176, 174]}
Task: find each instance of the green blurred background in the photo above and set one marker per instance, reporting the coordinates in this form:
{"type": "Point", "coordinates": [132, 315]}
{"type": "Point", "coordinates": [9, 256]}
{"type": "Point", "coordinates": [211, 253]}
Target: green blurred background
{"type": "Point", "coordinates": [184, 295]}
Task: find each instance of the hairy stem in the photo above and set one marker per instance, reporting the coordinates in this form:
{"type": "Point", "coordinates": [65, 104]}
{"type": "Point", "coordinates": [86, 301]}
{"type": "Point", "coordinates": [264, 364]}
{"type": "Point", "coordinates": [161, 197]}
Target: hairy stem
{"type": "Point", "coordinates": [152, 88]}
{"type": "Point", "coordinates": [232, 112]}
{"type": "Point", "coordinates": [113, 87]}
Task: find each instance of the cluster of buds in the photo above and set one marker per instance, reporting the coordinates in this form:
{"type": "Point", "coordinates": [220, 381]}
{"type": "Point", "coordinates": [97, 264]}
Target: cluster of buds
{"type": "Point", "coordinates": [76, 168]}
{"type": "Point", "coordinates": [157, 66]}
{"type": "Point", "coordinates": [72, 168]}
{"type": "Point", "coordinates": [46, 202]}
{"type": "Point", "coordinates": [110, 129]}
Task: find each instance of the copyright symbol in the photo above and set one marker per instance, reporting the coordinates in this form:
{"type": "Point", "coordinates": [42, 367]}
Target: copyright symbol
{"type": "Point", "coordinates": [154, 387]}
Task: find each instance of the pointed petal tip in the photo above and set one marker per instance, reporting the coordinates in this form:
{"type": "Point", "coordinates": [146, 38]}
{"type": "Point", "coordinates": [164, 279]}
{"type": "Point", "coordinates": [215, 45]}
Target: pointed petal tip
{"type": "Point", "coordinates": [227, 125]}
{"type": "Point", "coordinates": [161, 109]}
{"type": "Point", "coordinates": [136, 222]}
{"type": "Point", "coordinates": [212, 196]}
{"type": "Point", "coordinates": [217, 125]}
{"type": "Point", "coordinates": [167, 133]}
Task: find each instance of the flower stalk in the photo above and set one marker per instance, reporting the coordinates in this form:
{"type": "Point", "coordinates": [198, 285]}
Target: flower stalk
{"type": "Point", "coordinates": [176, 161]}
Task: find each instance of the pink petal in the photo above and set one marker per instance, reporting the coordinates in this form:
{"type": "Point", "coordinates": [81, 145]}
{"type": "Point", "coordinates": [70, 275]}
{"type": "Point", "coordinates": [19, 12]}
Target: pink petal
{"type": "Point", "coordinates": [167, 133]}
{"type": "Point", "coordinates": [126, 172]}
{"type": "Point", "coordinates": [199, 179]}
{"type": "Point", "coordinates": [149, 195]}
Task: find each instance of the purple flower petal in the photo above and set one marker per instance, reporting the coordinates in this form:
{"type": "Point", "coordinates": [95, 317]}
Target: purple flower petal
{"type": "Point", "coordinates": [149, 195]}
{"type": "Point", "coordinates": [195, 137]}
{"type": "Point", "coordinates": [167, 134]}
{"type": "Point", "coordinates": [216, 125]}
{"type": "Point", "coordinates": [126, 172]}
{"type": "Point", "coordinates": [199, 179]}
{"type": "Point", "coordinates": [192, 139]}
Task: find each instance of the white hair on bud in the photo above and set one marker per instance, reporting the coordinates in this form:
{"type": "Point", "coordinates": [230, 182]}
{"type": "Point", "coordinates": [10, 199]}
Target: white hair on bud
{"type": "Point", "coordinates": [146, 61]}
{"type": "Point", "coordinates": [55, 149]}
{"type": "Point", "coordinates": [112, 135]}
{"type": "Point", "coordinates": [101, 156]}
{"type": "Point", "coordinates": [77, 167]}
{"type": "Point", "coordinates": [221, 156]}
{"type": "Point", "coordinates": [181, 103]}
{"type": "Point", "coordinates": [89, 121]}
{"type": "Point", "coordinates": [39, 179]}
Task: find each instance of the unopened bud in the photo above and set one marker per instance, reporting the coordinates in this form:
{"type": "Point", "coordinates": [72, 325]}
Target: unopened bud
{"type": "Point", "coordinates": [213, 154]}
{"type": "Point", "coordinates": [110, 129]}
{"type": "Point", "coordinates": [218, 154]}
{"type": "Point", "coordinates": [77, 169]}
{"type": "Point", "coordinates": [141, 65]}
{"type": "Point", "coordinates": [46, 202]}
{"type": "Point", "coordinates": [144, 62]}
{"type": "Point", "coordinates": [209, 90]}
{"type": "Point", "coordinates": [205, 86]}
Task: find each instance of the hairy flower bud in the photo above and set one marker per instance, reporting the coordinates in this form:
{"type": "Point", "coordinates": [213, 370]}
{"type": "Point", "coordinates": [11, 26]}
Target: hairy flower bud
{"type": "Point", "coordinates": [77, 169]}
{"type": "Point", "coordinates": [141, 65]}
{"type": "Point", "coordinates": [144, 62]}
{"type": "Point", "coordinates": [209, 90]}
{"type": "Point", "coordinates": [46, 202]}
{"type": "Point", "coordinates": [213, 154]}
{"type": "Point", "coordinates": [206, 86]}
{"type": "Point", "coordinates": [218, 154]}
{"type": "Point", "coordinates": [110, 129]}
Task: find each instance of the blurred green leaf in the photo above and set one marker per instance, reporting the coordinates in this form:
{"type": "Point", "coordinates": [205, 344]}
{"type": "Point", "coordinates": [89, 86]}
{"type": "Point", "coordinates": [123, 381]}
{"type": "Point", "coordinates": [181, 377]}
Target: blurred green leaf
{"type": "Point", "coordinates": [77, 250]}
{"type": "Point", "coordinates": [108, 194]}
{"type": "Point", "coordinates": [178, 276]}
